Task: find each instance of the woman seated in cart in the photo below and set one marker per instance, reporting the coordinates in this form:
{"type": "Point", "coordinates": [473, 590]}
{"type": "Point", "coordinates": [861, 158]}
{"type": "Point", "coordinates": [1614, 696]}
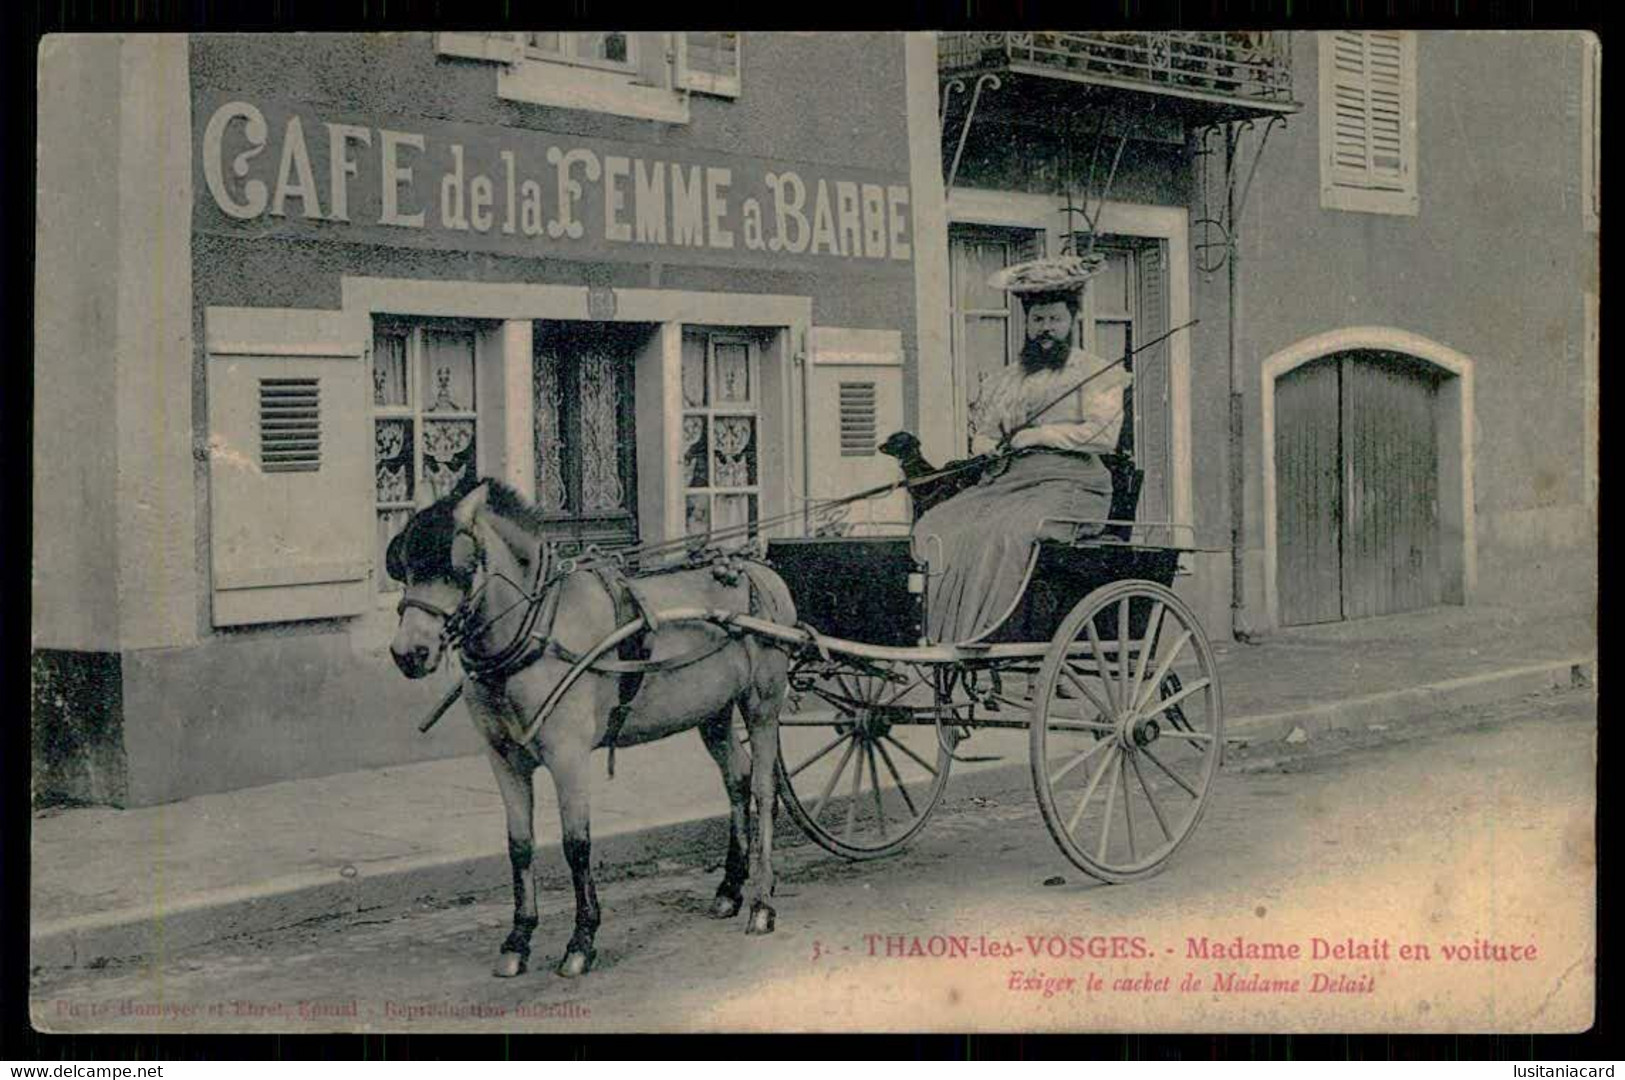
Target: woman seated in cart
{"type": "Point", "coordinates": [978, 543]}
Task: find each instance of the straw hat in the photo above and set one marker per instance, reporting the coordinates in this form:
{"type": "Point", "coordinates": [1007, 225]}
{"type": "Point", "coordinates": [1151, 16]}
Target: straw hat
{"type": "Point", "coordinates": [1055, 274]}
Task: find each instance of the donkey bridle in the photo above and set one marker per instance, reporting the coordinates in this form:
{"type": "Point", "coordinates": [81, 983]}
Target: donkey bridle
{"type": "Point", "coordinates": [455, 631]}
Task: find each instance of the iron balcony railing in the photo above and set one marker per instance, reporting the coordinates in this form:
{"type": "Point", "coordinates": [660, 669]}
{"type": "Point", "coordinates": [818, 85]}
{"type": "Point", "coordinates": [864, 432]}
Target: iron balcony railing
{"type": "Point", "coordinates": [1252, 67]}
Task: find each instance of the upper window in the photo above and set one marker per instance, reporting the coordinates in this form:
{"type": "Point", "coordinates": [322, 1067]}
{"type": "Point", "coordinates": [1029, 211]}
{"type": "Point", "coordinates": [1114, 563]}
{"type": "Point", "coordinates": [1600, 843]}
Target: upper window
{"type": "Point", "coordinates": [1368, 121]}
{"type": "Point", "coordinates": [615, 50]}
{"type": "Point", "coordinates": [1591, 133]}
{"type": "Point", "coordinates": [628, 73]}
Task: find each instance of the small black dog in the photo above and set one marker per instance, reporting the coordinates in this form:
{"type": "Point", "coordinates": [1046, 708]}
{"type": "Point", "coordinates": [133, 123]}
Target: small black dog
{"type": "Point", "coordinates": [905, 447]}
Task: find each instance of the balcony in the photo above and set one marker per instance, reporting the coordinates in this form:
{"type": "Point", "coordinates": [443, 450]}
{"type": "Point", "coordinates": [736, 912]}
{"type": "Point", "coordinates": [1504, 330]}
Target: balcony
{"type": "Point", "coordinates": [1207, 76]}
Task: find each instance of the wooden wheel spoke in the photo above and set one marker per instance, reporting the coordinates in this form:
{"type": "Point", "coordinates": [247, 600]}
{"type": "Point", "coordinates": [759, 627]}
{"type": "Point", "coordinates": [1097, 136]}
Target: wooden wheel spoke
{"type": "Point", "coordinates": [1153, 626]}
{"type": "Point", "coordinates": [1059, 774]}
{"type": "Point", "coordinates": [902, 789]}
{"type": "Point", "coordinates": [1128, 810]}
{"type": "Point", "coordinates": [852, 800]}
{"type": "Point", "coordinates": [1057, 712]}
{"type": "Point", "coordinates": [1196, 738]}
{"type": "Point", "coordinates": [1174, 699]}
{"type": "Point", "coordinates": [1100, 661]}
{"type": "Point", "coordinates": [874, 775]}
{"type": "Point", "coordinates": [1089, 792]}
{"type": "Point", "coordinates": [1106, 820]}
{"type": "Point", "coordinates": [1094, 699]}
{"type": "Point", "coordinates": [834, 777]}
{"type": "Point", "coordinates": [832, 744]}
{"type": "Point", "coordinates": [928, 767]}
{"type": "Point", "coordinates": [1122, 650]}
{"type": "Point", "coordinates": [1162, 669]}
{"type": "Point", "coordinates": [1014, 703]}
{"type": "Point", "coordinates": [1175, 777]}
{"type": "Point", "coordinates": [846, 688]}
{"type": "Point", "coordinates": [1179, 721]}
{"type": "Point", "coordinates": [1066, 723]}
{"type": "Point", "coordinates": [1150, 798]}
{"type": "Point", "coordinates": [901, 693]}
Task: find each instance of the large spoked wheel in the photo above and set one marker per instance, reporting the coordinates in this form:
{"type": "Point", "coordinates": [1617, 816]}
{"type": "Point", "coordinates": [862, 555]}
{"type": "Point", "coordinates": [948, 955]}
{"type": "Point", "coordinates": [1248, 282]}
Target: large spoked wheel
{"type": "Point", "coordinates": [1127, 730]}
{"type": "Point", "coordinates": [861, 775]}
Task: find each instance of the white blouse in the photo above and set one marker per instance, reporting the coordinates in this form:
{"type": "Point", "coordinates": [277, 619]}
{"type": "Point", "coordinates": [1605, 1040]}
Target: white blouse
{"type": "Point", "coordinates": [1088, 420]}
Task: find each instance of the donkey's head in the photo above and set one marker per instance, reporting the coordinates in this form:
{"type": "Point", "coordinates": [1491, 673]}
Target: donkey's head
{"type": "Point", "coordinates": [434, 558]}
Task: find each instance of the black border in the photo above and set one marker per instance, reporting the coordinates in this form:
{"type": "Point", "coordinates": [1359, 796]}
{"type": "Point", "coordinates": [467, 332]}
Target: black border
{"type": "Point", "coordinates": [18, 1042]}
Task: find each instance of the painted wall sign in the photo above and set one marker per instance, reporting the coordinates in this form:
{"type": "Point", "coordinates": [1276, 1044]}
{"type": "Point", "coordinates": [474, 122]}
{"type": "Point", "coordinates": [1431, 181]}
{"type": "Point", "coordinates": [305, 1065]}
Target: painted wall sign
{"type": "Point", "coordinates": [272, 168]}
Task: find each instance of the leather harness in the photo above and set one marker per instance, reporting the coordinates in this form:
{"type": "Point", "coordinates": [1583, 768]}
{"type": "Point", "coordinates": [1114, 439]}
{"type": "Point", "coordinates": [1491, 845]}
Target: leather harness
{"type": "Point", "coordinates": [534, 639]}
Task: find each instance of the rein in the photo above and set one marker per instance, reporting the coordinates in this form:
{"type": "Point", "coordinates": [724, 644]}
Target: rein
{"type": "Point", "coordinates": [528, 643]}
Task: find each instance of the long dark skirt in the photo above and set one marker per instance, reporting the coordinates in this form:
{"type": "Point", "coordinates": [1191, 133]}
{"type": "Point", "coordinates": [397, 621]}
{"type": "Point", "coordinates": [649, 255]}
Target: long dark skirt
{"type": "Point", "coordinates": [987, 535]}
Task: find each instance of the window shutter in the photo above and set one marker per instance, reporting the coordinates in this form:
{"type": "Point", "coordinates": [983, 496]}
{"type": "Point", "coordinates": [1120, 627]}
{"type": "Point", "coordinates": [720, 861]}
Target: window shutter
{"type": "Point", "coordinates": [289, 473]}
{"type": "Point", "coordinates": [655, 58]}
{"type": "Point", "coordinates": [1351, 136]}
{"type": "Point", "coordinates": [1368, 121]}
{"type": "Point", "coordinates": [498, 46]}
{"type": "Point", "coordinates": [708, 62]}
{"type": "Point", "coordinates": [854, 400]}
{"type": "Point", "coordinates": [1150, 403]}
{"type": "Point", "coordinates": [1385, 109]}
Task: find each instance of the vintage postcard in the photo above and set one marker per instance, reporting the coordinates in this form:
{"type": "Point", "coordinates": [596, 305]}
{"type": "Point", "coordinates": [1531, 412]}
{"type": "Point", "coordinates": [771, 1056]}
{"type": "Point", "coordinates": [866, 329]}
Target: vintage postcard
{"type": "Point", "coordinates": [768, 531]}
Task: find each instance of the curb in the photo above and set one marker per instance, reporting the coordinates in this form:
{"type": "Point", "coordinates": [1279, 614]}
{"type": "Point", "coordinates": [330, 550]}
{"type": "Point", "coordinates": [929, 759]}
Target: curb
{"type": "Point", "coordinates": [195, 920]}
{"type": "Point", "coordinates": [1390, 705]}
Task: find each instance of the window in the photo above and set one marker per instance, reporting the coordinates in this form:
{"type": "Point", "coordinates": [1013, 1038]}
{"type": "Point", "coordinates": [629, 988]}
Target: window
{"type": "Point", "coordinates": [721, 436]}
{"type": "Point", "coordinates": [425, 421]}
{"type": "Point", "coordinates": [987, 331]}
{"type": "Point", "coordinates": [1591, 133]}
{"type": "Point", "coordinates": [1368, 121]}
{"type": "Point", "coordinates": [628, 73]}
{"type": "Point", "coordinates": [612, 49]}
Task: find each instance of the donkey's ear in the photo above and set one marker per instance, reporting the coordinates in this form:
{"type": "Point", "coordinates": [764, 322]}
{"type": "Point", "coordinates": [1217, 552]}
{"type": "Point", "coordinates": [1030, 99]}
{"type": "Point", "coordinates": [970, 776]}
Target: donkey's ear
{"type": "Point", "coordinates": [395, 558]}
{"type": "Point", "coordinates": [471, 504]}
{"type": "Point", "coordinates": [465, 552]}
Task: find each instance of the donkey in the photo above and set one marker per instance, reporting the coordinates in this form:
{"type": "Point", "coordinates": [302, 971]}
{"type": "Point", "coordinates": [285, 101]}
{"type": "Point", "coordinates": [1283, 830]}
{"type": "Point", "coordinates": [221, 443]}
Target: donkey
{"type": "Point", "coordinates": [472, 566]}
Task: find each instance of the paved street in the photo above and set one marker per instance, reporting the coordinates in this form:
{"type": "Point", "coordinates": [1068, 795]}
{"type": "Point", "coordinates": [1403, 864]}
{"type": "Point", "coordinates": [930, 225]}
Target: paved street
{"type": "Point", "coordinates": [1472, 838]}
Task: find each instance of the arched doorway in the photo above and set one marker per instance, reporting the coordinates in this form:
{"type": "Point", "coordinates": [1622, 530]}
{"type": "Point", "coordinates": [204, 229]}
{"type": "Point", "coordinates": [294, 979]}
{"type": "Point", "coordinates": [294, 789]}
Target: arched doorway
{"type": "Point", "coordinates": [1367, 484]}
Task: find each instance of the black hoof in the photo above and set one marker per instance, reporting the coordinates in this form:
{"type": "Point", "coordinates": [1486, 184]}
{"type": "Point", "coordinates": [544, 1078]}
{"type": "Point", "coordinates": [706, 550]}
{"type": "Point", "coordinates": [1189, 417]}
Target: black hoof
{"type": "Point", "coordinates": [575, 964]}
{"type": "Point", "coordinates": [509, 964]}
{"type": "Point", "coordinates": [761, 919]}
{"type": "Point", "coordinates": [725, 906]}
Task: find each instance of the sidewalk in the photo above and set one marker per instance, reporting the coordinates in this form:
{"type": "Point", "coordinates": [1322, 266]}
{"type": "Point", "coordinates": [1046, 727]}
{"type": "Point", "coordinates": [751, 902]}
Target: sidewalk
{"type": "Point", "coordinates": [113, 883]}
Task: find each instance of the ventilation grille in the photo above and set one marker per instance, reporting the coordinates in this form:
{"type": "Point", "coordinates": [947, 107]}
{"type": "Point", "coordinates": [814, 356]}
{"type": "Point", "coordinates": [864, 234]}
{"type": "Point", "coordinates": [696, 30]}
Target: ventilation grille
{"type": "Point", "coordinates": [290, 425]}
{"type": "Point", "coordinates": [857, 419]}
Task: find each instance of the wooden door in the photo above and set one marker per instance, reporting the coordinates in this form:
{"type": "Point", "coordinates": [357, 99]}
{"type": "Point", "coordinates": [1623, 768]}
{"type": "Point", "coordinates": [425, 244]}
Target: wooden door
{"type": "Point", "coordinates": [585, 442]}
{"type": "Point", "coordinates": [1308, 483]}
{"type": "Point", "coordinates": [1391, 485]}
{"type": "Point", "coordinates": [1357, 482]}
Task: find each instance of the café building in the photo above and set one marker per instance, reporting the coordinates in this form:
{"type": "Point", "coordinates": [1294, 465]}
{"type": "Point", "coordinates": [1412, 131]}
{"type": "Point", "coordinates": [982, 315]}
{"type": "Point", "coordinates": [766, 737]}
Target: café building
{"type": "Point", "coordinates": [298, 286]}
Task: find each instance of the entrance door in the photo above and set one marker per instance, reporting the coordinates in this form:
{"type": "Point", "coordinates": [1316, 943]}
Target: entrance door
{"type": "Point", "coordinates": [1356, 457]}
{"type": "Point", "coordinates": [585, 443]}
{"type": "Point", "coordinates": [987, 330]}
